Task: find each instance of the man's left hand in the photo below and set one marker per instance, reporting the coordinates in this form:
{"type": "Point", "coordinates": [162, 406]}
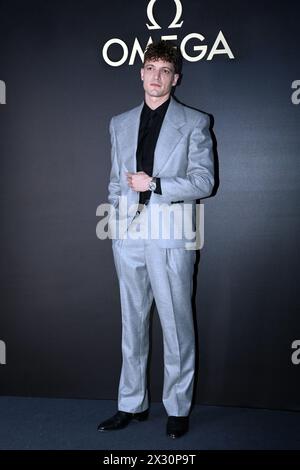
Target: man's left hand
{"type": "Point", "coordinates": [138, 181]}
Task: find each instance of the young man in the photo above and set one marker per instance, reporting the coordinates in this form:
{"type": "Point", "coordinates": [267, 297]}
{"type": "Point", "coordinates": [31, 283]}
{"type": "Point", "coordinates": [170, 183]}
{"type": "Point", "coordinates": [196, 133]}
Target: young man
{"type": "Point", "coordinates": [161, 157]}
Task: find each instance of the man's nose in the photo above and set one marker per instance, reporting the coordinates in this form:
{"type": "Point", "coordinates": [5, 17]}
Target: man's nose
{"type": "Point", "coordinates": [156, 74]}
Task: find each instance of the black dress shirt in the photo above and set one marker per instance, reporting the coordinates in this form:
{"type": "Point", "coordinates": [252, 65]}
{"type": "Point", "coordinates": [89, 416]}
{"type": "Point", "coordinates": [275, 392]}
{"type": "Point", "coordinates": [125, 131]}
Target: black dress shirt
{"type": "Point", "coordinates": [150, 125]}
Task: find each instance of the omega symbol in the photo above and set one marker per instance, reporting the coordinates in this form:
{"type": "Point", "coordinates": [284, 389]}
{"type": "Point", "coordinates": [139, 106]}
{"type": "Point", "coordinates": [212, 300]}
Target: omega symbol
{"type": "Point", "coordinates": [173, 24]}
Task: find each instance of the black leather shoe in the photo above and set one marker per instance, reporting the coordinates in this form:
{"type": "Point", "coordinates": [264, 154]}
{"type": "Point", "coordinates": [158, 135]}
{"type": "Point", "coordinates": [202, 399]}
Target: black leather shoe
{"type": "Point", "coordinates": [121, 419]}
{"type": "Point", "coordinates": [177, 426]}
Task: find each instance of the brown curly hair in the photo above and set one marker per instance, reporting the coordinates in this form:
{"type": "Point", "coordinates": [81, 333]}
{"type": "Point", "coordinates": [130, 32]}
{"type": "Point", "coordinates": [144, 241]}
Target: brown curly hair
{"type": "Point", "coordinates": [165, 51]}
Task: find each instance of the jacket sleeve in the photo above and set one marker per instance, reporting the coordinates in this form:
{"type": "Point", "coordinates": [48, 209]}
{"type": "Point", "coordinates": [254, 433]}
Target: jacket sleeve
{"type": "Point", "coordinates": [114, 181]}
{"type": "Point", "coordinates": [199, 179]}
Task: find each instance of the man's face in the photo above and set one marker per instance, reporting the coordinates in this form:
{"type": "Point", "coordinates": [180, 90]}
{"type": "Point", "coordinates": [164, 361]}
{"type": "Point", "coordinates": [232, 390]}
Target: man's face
{"type": "Point", "coordinates": [158, 78]}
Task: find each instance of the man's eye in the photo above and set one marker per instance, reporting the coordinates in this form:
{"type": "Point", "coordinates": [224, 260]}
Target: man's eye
{"type": "Point", "coordinates": [166, 71]}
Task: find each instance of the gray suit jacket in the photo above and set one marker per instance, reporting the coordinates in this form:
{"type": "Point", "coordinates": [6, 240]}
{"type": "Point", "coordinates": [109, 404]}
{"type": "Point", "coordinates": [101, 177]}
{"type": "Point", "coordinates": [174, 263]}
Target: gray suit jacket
{"type": "Point", "coordinates": [183, 160]}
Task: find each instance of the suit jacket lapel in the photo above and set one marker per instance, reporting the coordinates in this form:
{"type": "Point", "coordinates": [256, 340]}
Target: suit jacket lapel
{"type": "Point", "coordinates": [167, 141]}
{"type": "Point", "coordinates": [169, 135]}
{"type": "Point", "coordinates": [129, 138]}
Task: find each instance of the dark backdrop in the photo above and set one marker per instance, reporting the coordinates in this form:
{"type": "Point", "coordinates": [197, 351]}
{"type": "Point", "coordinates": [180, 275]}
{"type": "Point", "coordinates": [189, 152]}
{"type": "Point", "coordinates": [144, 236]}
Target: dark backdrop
{"type": "Point", "coordinates": [60, 310]}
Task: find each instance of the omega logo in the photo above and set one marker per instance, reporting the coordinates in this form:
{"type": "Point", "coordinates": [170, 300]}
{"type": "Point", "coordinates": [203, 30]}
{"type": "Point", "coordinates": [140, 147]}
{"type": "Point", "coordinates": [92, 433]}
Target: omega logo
{"type": "Point", "coordinates": [174, 23]}
{"type": "Point", "coordinates": [220, 45]}
{"type": "Point", "coordinates": [2, 92]}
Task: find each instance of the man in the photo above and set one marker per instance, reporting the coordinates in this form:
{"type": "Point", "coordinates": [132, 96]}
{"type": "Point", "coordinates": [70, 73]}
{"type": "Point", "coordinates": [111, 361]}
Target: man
{"type": "Point", "coordinates": [161, 157]}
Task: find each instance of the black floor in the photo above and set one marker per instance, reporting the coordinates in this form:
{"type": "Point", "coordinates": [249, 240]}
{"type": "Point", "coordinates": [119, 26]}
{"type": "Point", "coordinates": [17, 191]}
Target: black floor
{"type": "Point", "coordinates": [42, 423]}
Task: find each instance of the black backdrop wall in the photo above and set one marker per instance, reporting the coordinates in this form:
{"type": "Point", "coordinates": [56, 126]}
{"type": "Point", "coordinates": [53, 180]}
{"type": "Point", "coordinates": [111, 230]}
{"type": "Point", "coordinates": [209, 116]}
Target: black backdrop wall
{"type": "Point", "coordinates": [60, 325]}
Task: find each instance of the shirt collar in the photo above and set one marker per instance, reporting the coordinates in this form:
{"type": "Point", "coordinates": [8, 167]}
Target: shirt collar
{"type": "Point", "coordinates": [160, 110]}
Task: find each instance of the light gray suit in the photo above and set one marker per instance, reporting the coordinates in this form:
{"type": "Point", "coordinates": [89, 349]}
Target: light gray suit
{"type": "Point", "coordinates": [159, 268]}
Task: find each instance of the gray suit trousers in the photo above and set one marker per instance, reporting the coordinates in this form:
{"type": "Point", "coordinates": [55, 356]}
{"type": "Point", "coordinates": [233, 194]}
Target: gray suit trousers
{"type": "Point", "coordinates": [146, 271]}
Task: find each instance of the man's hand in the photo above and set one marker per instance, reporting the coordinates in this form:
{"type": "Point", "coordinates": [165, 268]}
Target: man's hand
{"type": "Point", "coordinates": [138, 181]}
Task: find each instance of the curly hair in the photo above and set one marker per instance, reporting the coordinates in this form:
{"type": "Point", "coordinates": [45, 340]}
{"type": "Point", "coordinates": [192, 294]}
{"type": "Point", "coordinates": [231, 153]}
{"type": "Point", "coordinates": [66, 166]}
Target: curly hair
{"type": "Point", "coordinates": [165, 51]}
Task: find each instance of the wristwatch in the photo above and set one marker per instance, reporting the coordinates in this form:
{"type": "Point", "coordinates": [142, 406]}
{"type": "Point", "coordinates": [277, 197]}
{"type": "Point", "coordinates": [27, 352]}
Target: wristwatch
{"type": "Point", "coordinates": [152, 184]}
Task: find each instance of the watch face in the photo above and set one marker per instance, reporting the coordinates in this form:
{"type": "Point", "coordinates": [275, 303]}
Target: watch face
{"type": "Point", "coordinates": [152, 186]}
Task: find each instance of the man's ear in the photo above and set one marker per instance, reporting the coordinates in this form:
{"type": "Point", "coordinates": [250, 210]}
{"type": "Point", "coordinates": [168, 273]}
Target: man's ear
{"type": "Point", "coordinates": [175, 79]}
{"type": "Point", "coordinates": [142, 73]}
